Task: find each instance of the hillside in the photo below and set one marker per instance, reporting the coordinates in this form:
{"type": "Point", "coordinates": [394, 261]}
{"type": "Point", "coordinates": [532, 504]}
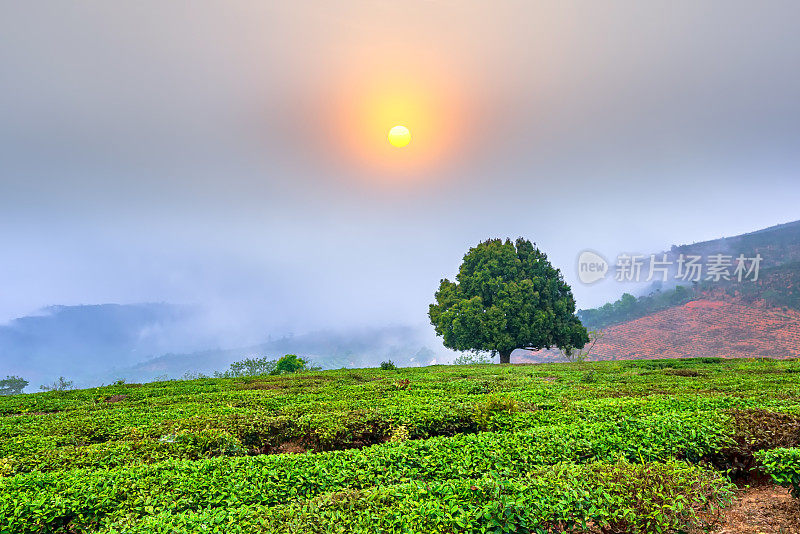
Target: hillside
{"type": "Point", "coordinates": [98, 344]}
{"type": "Point", "coordinates": [362, 347]}
{"type": "Point", "coordinates": [705, 327]}
{"type": "Point", "coordinates": [725, 318]}
{"type": "Point", "coordinates": [59, 340]}
{"type": "Point", "coordinates": [777, 244]}
{"type": "Point", "coordinates": [472, 449]}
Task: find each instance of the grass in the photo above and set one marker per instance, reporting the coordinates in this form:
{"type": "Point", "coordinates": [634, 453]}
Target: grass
{"type": "Point", "coordinates": [641, 446]}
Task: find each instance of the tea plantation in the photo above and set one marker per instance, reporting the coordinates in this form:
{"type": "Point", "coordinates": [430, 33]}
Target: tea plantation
{"type": "Point", "coordinates": [613, 447]}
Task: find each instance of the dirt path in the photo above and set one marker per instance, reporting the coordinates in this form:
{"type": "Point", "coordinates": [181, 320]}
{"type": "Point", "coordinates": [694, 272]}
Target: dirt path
{"type": "Point", "coordinates": [762, 509]}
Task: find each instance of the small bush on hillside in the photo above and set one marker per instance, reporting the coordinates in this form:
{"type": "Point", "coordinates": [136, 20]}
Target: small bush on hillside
{"type": "Point", "coordinates": [12, 385]}
{"type": "Point", "coordinates": [289, 364]}
{"type": "Point", "coordinates": [62, 384]}
{"type": "Point", "coordinates": [399, 434]}
{"type": "Point", "coordinates": [783, 465]}
{"type": "Point", "coordinates": [403, 384]}
{"type": "Point", "coordinates": [471, 359]}
{"type": "Point", "coordinates": [489, 413]}
{"type": "Point", "coordinates": [7, 467]}
{"type": "Point", "coordinates": [757, 429]}
{"type": "Point", "coordinates": [193, 375]}
{"type": "Point", "coordinates": [206, 443]}
{"type": "Point", "coordinates": [249, 367]}
{"type": "Point", "coordinates": [388, 366]}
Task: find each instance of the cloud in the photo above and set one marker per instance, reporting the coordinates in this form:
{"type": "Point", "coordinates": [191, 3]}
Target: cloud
{"type": "Point", "coordinates": [151, 152]}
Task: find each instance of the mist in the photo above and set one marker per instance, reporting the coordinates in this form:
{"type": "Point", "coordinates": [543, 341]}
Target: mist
{"type": "Point", "coordinates": [209, 157]}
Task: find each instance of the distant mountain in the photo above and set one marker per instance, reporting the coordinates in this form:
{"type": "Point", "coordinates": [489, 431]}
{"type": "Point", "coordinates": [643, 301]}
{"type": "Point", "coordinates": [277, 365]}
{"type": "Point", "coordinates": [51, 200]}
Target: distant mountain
{"type": "Point", "coordinates": [76, 341]}
{"type": "Point", "coordinates": [137, 342]}
{"type": "Point", "coordinates": [725, 318]}
{"type": "Point", "coordinates": [364, 347]}
{"type": "Point", "coordinates": [777, 245]}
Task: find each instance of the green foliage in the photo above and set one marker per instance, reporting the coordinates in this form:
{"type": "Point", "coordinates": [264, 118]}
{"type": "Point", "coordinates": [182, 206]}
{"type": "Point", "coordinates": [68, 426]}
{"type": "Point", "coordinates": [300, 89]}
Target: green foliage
{"type": "Point", "coordinates": [492, 409]}
{"type": "Point", "coordinates": [580, 355]}
{"type": "Point", "coordinates": [589, 377]}
{"type": "Point", "coordinates": [177, 487]}
{"type": "Point", "coordinates": [206, 443]}
{"type": "Point", "coordinates": [388, 366]}
{"type": "Point", "coordinates": [506, 296]}
{"type": "Point", "coordinates": [249, 367]}
{"type": "Point", "coordinates": [253, 367]}
{"type": "Point", "coordinates": [62, 384]}
{"type": "Point", "coordinates": [629, 307]}
{"type": "Point", "coordinates": [398, 452]}
{"type": "Point", "coordinates": [471, 359]}
{"type": "Point", "coordinates": [12, 385]}
{"type": "Point", "coordinates": [559, 498]}
{"type": "Point", "coordinates": [399, 434]}
{"type": "Point", "coordinates": [289, 364]}
{"type": "Point", "coordinates": [783, 465]}
{"type": "Point", "coordinates": [756, 430]}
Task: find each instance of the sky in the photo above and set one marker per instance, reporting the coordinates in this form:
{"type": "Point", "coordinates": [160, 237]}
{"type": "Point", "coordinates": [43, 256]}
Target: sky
{"type": "Point", "coordinates": [233, 154]}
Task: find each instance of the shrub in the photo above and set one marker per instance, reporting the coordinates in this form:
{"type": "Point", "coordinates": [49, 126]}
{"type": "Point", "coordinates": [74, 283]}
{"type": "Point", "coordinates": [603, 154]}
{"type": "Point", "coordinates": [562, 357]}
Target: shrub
{"type": "Point", "coordinates": [249, 367]}
{"type": "Point", "coordinates": [388, 366]}
{"type": "Point", "coordinates": [783, 465]}
{"type": "Point", "coordinates": [756, 430]}
{"type": "Point", "coordinates": [489, 413]}
{"type": "Point", "coordinates": [559, 498]}
{"type": "Point", "coordinates": [399, 434]}
{"type": "Point", "coordinates": [289, 364]}
{"type": "Point", "coordinates": [193, 375]}
{"type": "Point", "coordinates": [206, 443]}
{"type": "Point", "coordinates": [12, 385]}
{"type": "Point", "coordinates": [402, 384]}
{"type": "Point", "coordinates": [62, 384]}
{"type": "Point", "coordinates": [589, 377]}
{"type": "Point", "coordinates": [471, 359]}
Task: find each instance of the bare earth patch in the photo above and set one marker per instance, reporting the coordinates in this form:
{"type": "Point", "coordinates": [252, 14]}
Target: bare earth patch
{"type": "Point", "coordinates": [116, 398]}
{"type": "Point", "coordinates": [762, 509]}
{"type": "Point", "coordinates": [290, 447]}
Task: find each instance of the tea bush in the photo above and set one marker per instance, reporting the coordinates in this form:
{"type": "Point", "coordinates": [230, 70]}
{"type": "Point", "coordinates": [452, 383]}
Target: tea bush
{"type": "Point", "coordinates": [783, 465]}
{"type": "Point", "coordinates": [630, 450]}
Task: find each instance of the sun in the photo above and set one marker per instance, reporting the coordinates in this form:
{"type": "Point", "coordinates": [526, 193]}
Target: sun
{"type": "Point", "coordinates": [399, 136]}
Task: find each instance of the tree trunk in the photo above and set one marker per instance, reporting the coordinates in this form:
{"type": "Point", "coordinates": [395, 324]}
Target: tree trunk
{"type": "Point", "coordinates": [505, 356]}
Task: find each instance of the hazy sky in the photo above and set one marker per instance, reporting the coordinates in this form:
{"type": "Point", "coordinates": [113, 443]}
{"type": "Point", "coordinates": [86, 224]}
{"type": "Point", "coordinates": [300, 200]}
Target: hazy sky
{"type": "Point", "coordinates": [233, 153]}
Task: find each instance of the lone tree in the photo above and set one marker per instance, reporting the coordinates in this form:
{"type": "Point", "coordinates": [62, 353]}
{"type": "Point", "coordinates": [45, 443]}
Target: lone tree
{"type": "Point", "coordinates": [12, 385]}
{"type": "Point", "coordinates": [507, 296]}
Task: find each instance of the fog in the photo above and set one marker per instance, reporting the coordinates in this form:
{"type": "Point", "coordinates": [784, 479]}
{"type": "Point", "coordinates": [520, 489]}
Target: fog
{"type": "Point", "coordinates": [221, 154]}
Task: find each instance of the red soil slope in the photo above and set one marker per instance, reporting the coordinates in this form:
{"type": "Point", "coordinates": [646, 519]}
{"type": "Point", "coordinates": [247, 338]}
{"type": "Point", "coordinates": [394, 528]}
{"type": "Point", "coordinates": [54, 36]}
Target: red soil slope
{"type": "Point", "coordinates": [701, 328]}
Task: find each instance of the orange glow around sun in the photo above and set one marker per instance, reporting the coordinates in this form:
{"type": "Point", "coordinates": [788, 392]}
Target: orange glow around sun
{"type": "Point", "coordinates": [397, 123]}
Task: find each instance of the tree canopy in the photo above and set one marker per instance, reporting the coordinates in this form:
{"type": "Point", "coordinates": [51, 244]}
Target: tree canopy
{"type": "Point", "coordinates": [12, 385]}
{"type": "Point", "coordinates": [506, 296]}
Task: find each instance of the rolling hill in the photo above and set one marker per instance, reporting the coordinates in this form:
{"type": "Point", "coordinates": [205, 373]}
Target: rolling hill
{"type": "Point", "coordinates": [725, 318]}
